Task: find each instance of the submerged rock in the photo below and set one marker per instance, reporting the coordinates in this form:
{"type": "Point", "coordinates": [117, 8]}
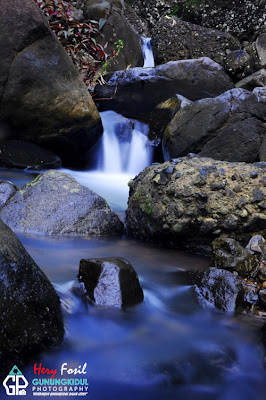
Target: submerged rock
{"type": "Point", "coordinates": [110, 281]}
{"type": "Point", "coordinates": [174, 39]}
{"type": "Point", "coordinates": [43, 98]}
{"type": "Point", "coordinates": [7, 190]}
{"type": "Point", "coordinates": [19, 154]}
{"type": "Point", "coordinates": [229, 127]}
{"type": "Point", "coordinates": [219, 289]}
{"type": "Point", "coordinates": [228, 254]}
{"type": "Point", "coordinates": [136, 92]}
{"type": "Point", "coordinates": [192, 200]}
{"type": "Point", "coordinates": [30, 315]}
{"type": "Point", "coordinates": [54, 203]}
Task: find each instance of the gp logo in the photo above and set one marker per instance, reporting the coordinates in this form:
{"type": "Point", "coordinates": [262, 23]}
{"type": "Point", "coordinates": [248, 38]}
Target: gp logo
{"type": "Point", "coordinates": [15, 383]}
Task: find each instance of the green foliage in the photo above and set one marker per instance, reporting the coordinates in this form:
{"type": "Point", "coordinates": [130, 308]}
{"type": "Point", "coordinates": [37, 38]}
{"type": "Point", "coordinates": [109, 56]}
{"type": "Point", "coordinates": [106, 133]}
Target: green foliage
{"type": "Point", "coordinates": [189, 5]}
{"type": "Point", "coordinates": [80, 39]}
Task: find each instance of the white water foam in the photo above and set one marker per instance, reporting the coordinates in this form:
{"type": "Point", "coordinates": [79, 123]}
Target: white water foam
{"type": "Point", "coordinates": [147, 53]}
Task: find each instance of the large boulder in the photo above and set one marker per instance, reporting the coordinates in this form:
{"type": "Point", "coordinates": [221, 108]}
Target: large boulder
{"type": "Point", "coordinates": [24, 155]}
{"type": "Point", "coordinates": [43, 98]}
{"type": "Point", "coordinates": [137, 91]}
{"type": "Point", "coordinates": [114, 26]}
{"type": "Point", "coordinates": [230, 127]}
{"type": "Point", "coordinates": [110, 281]}
{"type": "Point", "coordinates": [190, 201]}
{"type": "Point", "coordinates": [54, 203]}
{"type": "Point", "coordinates": [245, 19]}
{"type": "Point", "coordinates": [30, 315]}
{"type": "Point", "coordinates": [174, 39]}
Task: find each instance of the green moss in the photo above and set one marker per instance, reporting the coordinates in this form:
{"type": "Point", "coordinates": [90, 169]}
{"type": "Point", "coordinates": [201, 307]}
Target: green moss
{"type": "Point", "coordinates": [146, 207]}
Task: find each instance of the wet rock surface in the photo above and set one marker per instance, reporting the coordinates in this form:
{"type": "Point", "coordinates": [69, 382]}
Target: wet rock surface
{"type": "Point", "coordinates": [229, 254]}
{"type": "Point", "coordinates": [136, 92]}
{"type": "Point", "coordinates": [23, 155]}
{"type": "Point", "coordinates": [43, 98]}
{"type": "Point", "coordinates": [110, 282]}
{"type": "Point", "coordinates": [174, 39]}
{"type": "Point", "coordinates": [230, 127]}
{"type": "Point", "coordinates": [30, 315]}
{"type": "Point", "coordinates": [7, 190]}
{"type": "Point", "coordinates": [54, 203]}
{"type": "Point", "coordinates": [191, 201]}
{"type": "Point", "coordinates": [218, 288]}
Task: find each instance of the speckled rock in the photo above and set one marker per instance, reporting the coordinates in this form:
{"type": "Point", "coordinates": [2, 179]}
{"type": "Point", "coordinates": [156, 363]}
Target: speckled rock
{"type": "Point", "coordinates": [174, 39]}
{"type": "Point", "coordinates": [54, 203]}
{"type": "Point", "coordinates": [7, 190]}
{"type": "Point", "coordinates": [190, 201]}
{"type": "Point", "coordinates": [245, 19]}
{"type": "Point", "coordinates": [218, 288]}
{"type": "Point", "coordinates": [110, 281]}
{"type": "Point", "coordinates": [30, 315]}
{"type": "Point", "coordinates": [136, 92]}
{"type": "Point", "coordinates": [230, 127]}
{"type": "Point", "coordinates": [261, 49]}
{"type": "Point", "coordinates": [228, 254]}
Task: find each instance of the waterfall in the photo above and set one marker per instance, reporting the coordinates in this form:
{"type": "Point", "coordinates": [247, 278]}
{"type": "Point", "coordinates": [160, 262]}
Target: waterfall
{"type": "Point", "coordinates": [124, 151]}
{"type": "Point", "coordinates": [147, 53]}
{"type": "Point", "coordinates": [125, 145]}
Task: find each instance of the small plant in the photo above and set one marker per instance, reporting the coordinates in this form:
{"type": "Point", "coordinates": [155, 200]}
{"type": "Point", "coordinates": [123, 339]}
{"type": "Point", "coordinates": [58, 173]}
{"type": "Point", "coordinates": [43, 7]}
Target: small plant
{"type": "Point", "coordinates": [79, 40]}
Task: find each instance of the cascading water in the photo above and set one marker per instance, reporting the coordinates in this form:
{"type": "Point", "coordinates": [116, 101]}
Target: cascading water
{"type": "Point", "coordinates": [147, 53]}
{"type": "Point", "coordinates": [124, 152]}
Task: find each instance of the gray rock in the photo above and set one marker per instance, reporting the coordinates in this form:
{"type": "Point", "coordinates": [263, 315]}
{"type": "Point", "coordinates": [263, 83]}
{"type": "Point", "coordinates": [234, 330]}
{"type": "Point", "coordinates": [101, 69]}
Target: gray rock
{"type": "Point", "coordinates": [260, 92]}
{"type": "Point", "coordinates": [136, 92]}
{"type": "Point", "coordinates": [110, 281]}
{"type": "Point", "coordinates": [239, 63]}
{"type": "Point", "coordinates": [30, 315]}
{"type": "Point", "coordinates": [116, 27]}
{"type": "Point", "coordinates": [43, 98]}
{"type": "Point", "coordinates": [174, 39]}
{"type": "Point", "coordinates": [256, 244]}
{"type": "Point", "coordinates": [261, 49]}
{"type": "Point", "coordinates": [192, 200]}
{"type": "Point", "coordinates": [252, 81]}
{"type": "Point", "coordinates": [54, 203]}
{"type": "Point", "coordinates": [228, 254]}
{"type": "Point", "coordinates": [220, 289]}
{"type": "Point", "coordinates": [7, 190]}
{"type": "Point", "coordinates": [162, 115]}
{"type": "Point", "coordinates": [23, 155]}
{"type": "Point", "coordinates": [230, 127]}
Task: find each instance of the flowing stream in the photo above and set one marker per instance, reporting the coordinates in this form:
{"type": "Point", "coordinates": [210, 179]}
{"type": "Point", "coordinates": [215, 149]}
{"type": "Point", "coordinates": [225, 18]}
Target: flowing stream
{"type": "Point", "coordinates": [168, 347]}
